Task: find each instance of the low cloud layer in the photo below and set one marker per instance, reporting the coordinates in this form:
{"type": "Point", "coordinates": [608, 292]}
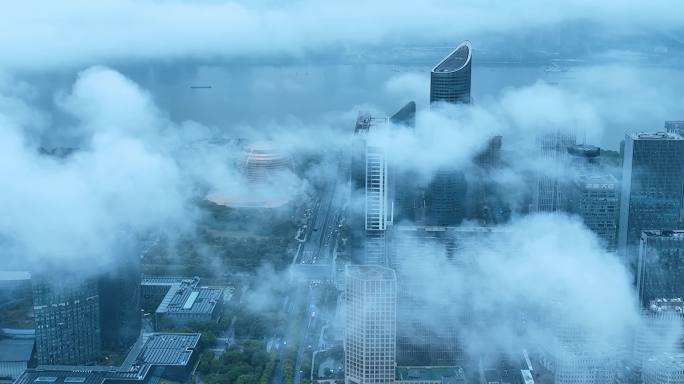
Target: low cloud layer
{"type": "Point", "coordinates": [539, 282]}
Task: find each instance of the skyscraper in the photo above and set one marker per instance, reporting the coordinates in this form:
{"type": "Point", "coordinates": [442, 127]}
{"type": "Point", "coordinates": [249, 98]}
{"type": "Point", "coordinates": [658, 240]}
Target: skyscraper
{"type": "Point", "coordinates": [675, 126]}
{"type": "Point", "coordinates": [596, 199]}
{"type": "Point", "coordinates": [593, 193]}
{"type": "Point", "coordinates": [67, 319]}
{"type": "Point", "coordinates": [652, 185]}
{"type": "Point", "coordinates": [446, 197]}
{"type": "Point", "coordinates": [660, 265]}
{"type": "Point", "coordinates": [120, 316]}
{"type": "Point", "coordinates": [659, 334]}
{"type": "Point", "coordinates": [428, 324]}
{"type": "Point", "coordinates": [548, 193]}
{"type": "Point", "coordinates": [450, 79]}
{"type": "Point", "coordinates": [405, 191]}
{"type": "Point", "coordinates": [450, 83]}
{"type": "Point", "coordinates": [369, 213]}
{"type": "Point", "coordinates": [370, 324]}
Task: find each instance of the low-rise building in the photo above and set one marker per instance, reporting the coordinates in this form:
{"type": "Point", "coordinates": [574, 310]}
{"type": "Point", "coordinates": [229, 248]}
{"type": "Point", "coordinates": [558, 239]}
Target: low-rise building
{"type": "Point", "coordinates": [184, 301]}
{"type": "Point", "coordinates": [14, 357]}
{"type": "Point", "coordinates": [157, 356]}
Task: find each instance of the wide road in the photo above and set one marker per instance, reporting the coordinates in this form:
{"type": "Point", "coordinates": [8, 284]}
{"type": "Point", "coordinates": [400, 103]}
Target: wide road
{"type": "Point", "coordinates": [322, 233]}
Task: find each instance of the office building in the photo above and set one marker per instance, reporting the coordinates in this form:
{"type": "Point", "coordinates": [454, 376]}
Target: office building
{"type": "Point", "coordinates": [584, 158]}
{"type": "Point", "coordinates": [548, 194]}
{"type": "Point", "coordinates": [446, 193]}
{"type": "Point", "coordinates": [120, 315]}
{"type": "Point", "coordinates": [369, 207]}
{"type": "Point", "coordinates": [666, 368]}
{"type": "Point", "coordinates": [652, 185]}
{"type": "Point", "coordinates": [183, 300]}
{"type": "Point", "coordinates": [405, 116]}
{"type": "Point", "coordinates": [160, 357]}
{"type": "Point", "coordinates": [370, 324]}
{"type": "Point", "coordinates": [484, 199]}
{"type": "Point", "coordinates": [660, 265]}
{"type": "Point", "coordinates": [676, 126]}
{"type": "Point", "coordinates": [428, 325]}
{"type": "Point", "coordinates": [596, 199]}
{"type": "Point", "coordinates": [659, 332]}
{"type": "Point", "coordinates": [14, 357]}
{"type": "Point", "coordinates": [575, 359]}
{"type": "Point", "coordinates": [450, 79]}
{"type": "Point", "coordinates": [67, 320]}
{"type": "Point", "coordinates": [446, 198]}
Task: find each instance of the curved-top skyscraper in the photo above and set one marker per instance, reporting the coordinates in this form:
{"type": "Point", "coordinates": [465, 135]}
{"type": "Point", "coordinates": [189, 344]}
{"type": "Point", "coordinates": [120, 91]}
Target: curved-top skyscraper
{"type": "Point", "coordinates": [450, 79]}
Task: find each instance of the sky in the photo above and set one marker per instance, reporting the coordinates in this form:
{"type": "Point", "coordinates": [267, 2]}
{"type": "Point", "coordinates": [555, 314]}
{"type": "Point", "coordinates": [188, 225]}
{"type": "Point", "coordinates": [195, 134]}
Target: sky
{"type": "Point", "coordinates": [87, 74]}
{"type": "Point", "coordinates": [82, 33]}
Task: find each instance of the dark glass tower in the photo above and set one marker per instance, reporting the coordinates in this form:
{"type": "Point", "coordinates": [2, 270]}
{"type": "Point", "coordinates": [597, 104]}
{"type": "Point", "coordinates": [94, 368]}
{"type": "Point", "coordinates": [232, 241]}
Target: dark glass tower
{"type": "Point", "coordinates": [446, 198]}
{"type": "Point", "coordinates": [450, 83]}
{"type": "Point", "coordinates": [450, 79]}
{"type": "Point", "coordinates": [120, 317]}
{"type": "Point", "coordinates": [67, 319]}
{"type": "Point", "coordinates": [652, 185]}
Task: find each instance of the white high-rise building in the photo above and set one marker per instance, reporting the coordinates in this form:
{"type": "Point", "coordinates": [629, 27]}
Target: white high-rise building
{"type": "Point", "coordinates": [369, 212]}
{"type": "Point", "coordinates": [370, 324]}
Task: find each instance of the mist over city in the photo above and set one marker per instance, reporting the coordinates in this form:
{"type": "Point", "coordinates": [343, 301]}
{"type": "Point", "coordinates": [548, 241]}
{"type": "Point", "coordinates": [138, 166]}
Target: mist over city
{"type": "Point", "coordinates": [343, 192]}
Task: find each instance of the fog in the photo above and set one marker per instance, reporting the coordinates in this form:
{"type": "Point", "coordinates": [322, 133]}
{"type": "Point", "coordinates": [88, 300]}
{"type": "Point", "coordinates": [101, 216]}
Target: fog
{"type": "Point", "coordinates": [146, 156]}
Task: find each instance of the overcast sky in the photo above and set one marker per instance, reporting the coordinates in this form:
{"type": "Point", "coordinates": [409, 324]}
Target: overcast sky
{"type": "Point", "coordinates": [76, 33]}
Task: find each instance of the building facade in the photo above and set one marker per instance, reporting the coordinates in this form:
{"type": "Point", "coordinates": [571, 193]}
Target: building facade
{"type": "Point", "coordinates": [450, 79]}
{"type": "Point", "coordinates": [369, 207]}
{"type": "Point", "coordinates": [120, 304]}
{"type": "Point", "coordinates": [675, 126]}
{"type": "Point", "coordinates": [660, 265]}
{"type": "Point", "coordinates": [428, 325]}
{"type": "Point", "coordinates": [548, 194]}
{"type": "Point", "coordinates": [659, 332]}
{"type": "Point", "coordinates": [450, 82]}
{"type": "Point", "coordinates": [67, 321]}
{"type": "Point", "coordinates": [652, 185]}
{"type": "Point", "coordinates": [596, 199]}
{"type": "Point", "coordinates": [370, 324]}
{"type": "Point", "coordinates": [665, 368]}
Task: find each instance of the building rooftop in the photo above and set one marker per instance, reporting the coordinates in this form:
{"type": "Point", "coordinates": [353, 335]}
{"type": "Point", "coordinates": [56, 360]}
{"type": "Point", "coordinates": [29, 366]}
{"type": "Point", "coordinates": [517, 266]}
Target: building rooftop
{"type": "Point", "coordinates": [15, 350]}
{"type": "Point", "coordinates": [664, 233]}
{"type": "Point", "coordinates": [187, 298]}
{"type": "Point", "coordinates": [437, 228]}
{"type": "Point", "coordinates": [674, 125]}
{"type": "Point", "coordinates": [162, 280]}
{"type": "Point", "coordinates": [601, 180]}
{"type": "Point", "coordinates": [369, 272]}
{"type": "Point", "coordinates": [584, 150]}
{"type": "Point", "coordinates": [160, 349]}
{"type": "Point", "coordinates": [365, 122]}
{"type": "Point", "coordinates": [168, 349]}
{"type": "Point", "coordinates": [655, 136]}
{"type": "Point", "coordinates": [430, 373]}
{"type": "Point", "coordinates": [667, 305]}
{"type": "Point", "coordinates": [456, 60]}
